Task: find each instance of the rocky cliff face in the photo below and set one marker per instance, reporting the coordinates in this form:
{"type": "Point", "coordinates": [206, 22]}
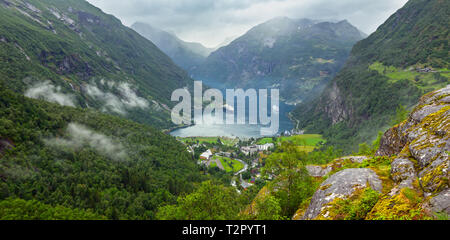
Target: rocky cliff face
{"type": "Point", "coordinates": [410, 169]}
{"type": "Point", "coordinates": [341, 185]}
{"type": "Point", "coordinates": [421, 146]}
{"type": "Point", "coordinates": [335, 107]}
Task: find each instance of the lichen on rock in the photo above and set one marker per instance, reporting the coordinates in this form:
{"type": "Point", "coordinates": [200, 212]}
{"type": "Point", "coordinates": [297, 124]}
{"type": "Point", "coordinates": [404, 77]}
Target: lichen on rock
{"type": "Point", "coordinates": [341, 185]}
{"type": "Point", "coordinates": [323, 170]}
{"type": "Point", "coordinates": [402, 170]}
{"type": "Point", "coordinates": [422, 143]}
{"type": "Point", "coordinates": [415, 180]}
{"type": "Point", "coordinates": [441, 202]}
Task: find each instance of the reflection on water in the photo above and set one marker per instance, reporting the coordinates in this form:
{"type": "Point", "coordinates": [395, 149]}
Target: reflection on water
{"type": "Point", "coordinates": [241, 131]}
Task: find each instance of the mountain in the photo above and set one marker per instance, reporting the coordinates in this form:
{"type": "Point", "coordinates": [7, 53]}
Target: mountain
{"type": "Point", "coordinates": [72, 53]}
{"type": "Point", "coordinates": [225, 42]}
{"type": "Point", "coordinates": [386, 73]}
{"type": "Point", "coordinates": [299, 56]}
{"type": "Point", "coordinates": [185, 54]}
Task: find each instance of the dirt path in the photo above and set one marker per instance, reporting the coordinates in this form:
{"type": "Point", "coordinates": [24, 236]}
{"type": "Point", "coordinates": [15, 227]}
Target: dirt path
{"type": "Point", "coordinates": [219, 164]}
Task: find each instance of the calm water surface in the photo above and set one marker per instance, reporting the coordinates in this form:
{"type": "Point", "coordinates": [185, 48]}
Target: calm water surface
{"type": "Point", "coordinates": [241, 131]}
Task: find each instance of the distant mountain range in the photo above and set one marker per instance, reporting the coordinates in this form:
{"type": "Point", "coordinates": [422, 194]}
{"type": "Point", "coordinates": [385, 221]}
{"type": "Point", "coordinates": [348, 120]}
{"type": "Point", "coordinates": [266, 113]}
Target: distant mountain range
{"type": "Point", "coordinates": [298, 56]}
{"type": "Point", "coordinates": [406, 57]}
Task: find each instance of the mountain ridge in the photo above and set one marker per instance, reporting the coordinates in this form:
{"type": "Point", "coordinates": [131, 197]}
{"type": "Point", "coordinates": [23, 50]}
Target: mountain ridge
{"type": "Point", "coordinates": [187, 55]}
{"type": "Point", "coordinates": [72, 50]}
{"type": "Point", "coordinates": [300, 55]}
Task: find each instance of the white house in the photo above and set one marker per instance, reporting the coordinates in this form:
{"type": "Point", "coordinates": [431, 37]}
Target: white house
{"type": "Point", "coordinates": [265, 147]}
{"type": "Point", "coordinates": [249, 150]}
{"type": "Point", "coordinates": [206, 155]}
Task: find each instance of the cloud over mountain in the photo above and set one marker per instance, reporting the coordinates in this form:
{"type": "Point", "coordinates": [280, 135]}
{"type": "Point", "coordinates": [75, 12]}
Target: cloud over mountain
{"type": "Point", "coordinates": [195, 20]}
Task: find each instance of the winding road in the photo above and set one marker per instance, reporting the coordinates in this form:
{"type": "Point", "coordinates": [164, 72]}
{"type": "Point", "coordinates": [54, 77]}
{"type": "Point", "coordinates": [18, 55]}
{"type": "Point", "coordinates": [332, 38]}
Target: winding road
{"type": "Point", "coordinates": [243, 169]}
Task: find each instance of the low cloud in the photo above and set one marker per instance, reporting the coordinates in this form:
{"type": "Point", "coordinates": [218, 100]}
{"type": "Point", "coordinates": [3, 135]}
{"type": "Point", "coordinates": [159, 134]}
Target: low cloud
{"type": "Point", "coordinates": [49, 92]}
{"type": "Point", "coordinates": [78, 136]}
{"type": "Point", "coordinates": [130, 99]}
{"type": "Point", "coordinates": [211, 22]}
{"type": "Point", "coordinates": [126, 100]}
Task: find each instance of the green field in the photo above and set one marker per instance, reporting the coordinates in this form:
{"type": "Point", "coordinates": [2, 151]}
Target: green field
{"type": "Point", "coordinates": [306, 142]}
{"type": "Point", "coordinates": [213, 164]}
{"type": "Point", "coordinates": [301, 140]}
{"type": "Point", "coordinates": [230, 165]}
{"type": "Point", "coordinates": [307, 149]}
{"type": "Point", "coordinates": [225, 140]}
{"type": "Point", "coordinates": [420, 79]}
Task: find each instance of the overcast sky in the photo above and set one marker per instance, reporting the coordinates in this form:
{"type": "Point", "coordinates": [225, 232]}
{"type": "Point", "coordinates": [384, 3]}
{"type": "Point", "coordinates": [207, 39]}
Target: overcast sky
{"type": "Point", "coordinates": [210, 22]}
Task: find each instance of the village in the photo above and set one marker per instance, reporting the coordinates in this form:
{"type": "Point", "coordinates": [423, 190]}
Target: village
{"type": "Point", "coordinates": [240, 159]}
{"type": "Point", "coordinates": [245, 172]}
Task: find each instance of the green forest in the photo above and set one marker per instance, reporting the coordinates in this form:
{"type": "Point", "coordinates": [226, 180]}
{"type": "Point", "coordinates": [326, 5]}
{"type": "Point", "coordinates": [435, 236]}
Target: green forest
{"type": "Point", "coordinates": [145, 169]}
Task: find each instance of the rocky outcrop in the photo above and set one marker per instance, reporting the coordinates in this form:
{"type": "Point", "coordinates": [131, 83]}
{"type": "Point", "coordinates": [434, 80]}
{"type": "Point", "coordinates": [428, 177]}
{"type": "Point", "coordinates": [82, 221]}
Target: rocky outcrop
{"type": "Point", "coordinates": [320, 171]}
{"type": "Point", "coordinates": [391, 143]}
{"type": "Point", "coordinates": [411, 168]}
{"type": "Point", "coordinates": [422, 144]}
{"type": "Point", "coordinates": [355, 159]}
{"type": "Point", "coordinates": [402, 171]}
{"type": "Point", "coordinates": [341, 185]}
{"type": "Point", "coordinates": [441, 202]}
{"type": "Point", "coordinates": [420, 147]}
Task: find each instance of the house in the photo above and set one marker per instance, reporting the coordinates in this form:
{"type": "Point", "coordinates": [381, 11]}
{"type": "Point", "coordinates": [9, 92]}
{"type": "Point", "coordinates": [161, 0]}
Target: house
{"type": "Point", "coordinates": [424, 70]}
{"type": "Point", "coordinates": [255, 171]}
{"type": "Point", "coordinates": [225, 154]}
{"type": "Point", "coordinates": [249, 150]}
{"type": "Point", "coordinates": [265, 147]}
{"type": "Point", "coordinates": [206, 155]}
{"type": "Point", "coordinates": [255, 162]}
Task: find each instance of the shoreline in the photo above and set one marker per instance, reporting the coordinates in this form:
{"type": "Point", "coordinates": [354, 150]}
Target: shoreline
{"type": "Point", "coordinates": [168, 131]}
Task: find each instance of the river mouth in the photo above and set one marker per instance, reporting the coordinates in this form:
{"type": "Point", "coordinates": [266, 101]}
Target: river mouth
{"type": "Point", "coordinates": [235, 130]}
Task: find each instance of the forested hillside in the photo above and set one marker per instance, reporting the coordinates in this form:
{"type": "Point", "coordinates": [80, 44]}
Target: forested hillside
{"type": "Point", "coordinates": [85, 164]}
{"type": "Point", "coordinates": [384, 77]}
{"type": "Point", "coordinates": [72, 53]}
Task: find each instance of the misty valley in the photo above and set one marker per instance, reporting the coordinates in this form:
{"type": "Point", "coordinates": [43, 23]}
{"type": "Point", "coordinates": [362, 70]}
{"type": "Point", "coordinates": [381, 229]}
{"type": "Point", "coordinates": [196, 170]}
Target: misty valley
{"type": "Point", "coordinates": [339, 121]}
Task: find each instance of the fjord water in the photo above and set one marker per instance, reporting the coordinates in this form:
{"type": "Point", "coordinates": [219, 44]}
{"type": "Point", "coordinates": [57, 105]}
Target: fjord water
{"type": "Point", "coordinates": [235, 130]}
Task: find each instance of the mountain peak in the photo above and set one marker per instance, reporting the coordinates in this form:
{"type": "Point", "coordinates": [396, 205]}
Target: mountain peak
{"type": "Point", "coordinates": [298, 54]}
{"type": "Point", "coordinates": [185, 54]}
